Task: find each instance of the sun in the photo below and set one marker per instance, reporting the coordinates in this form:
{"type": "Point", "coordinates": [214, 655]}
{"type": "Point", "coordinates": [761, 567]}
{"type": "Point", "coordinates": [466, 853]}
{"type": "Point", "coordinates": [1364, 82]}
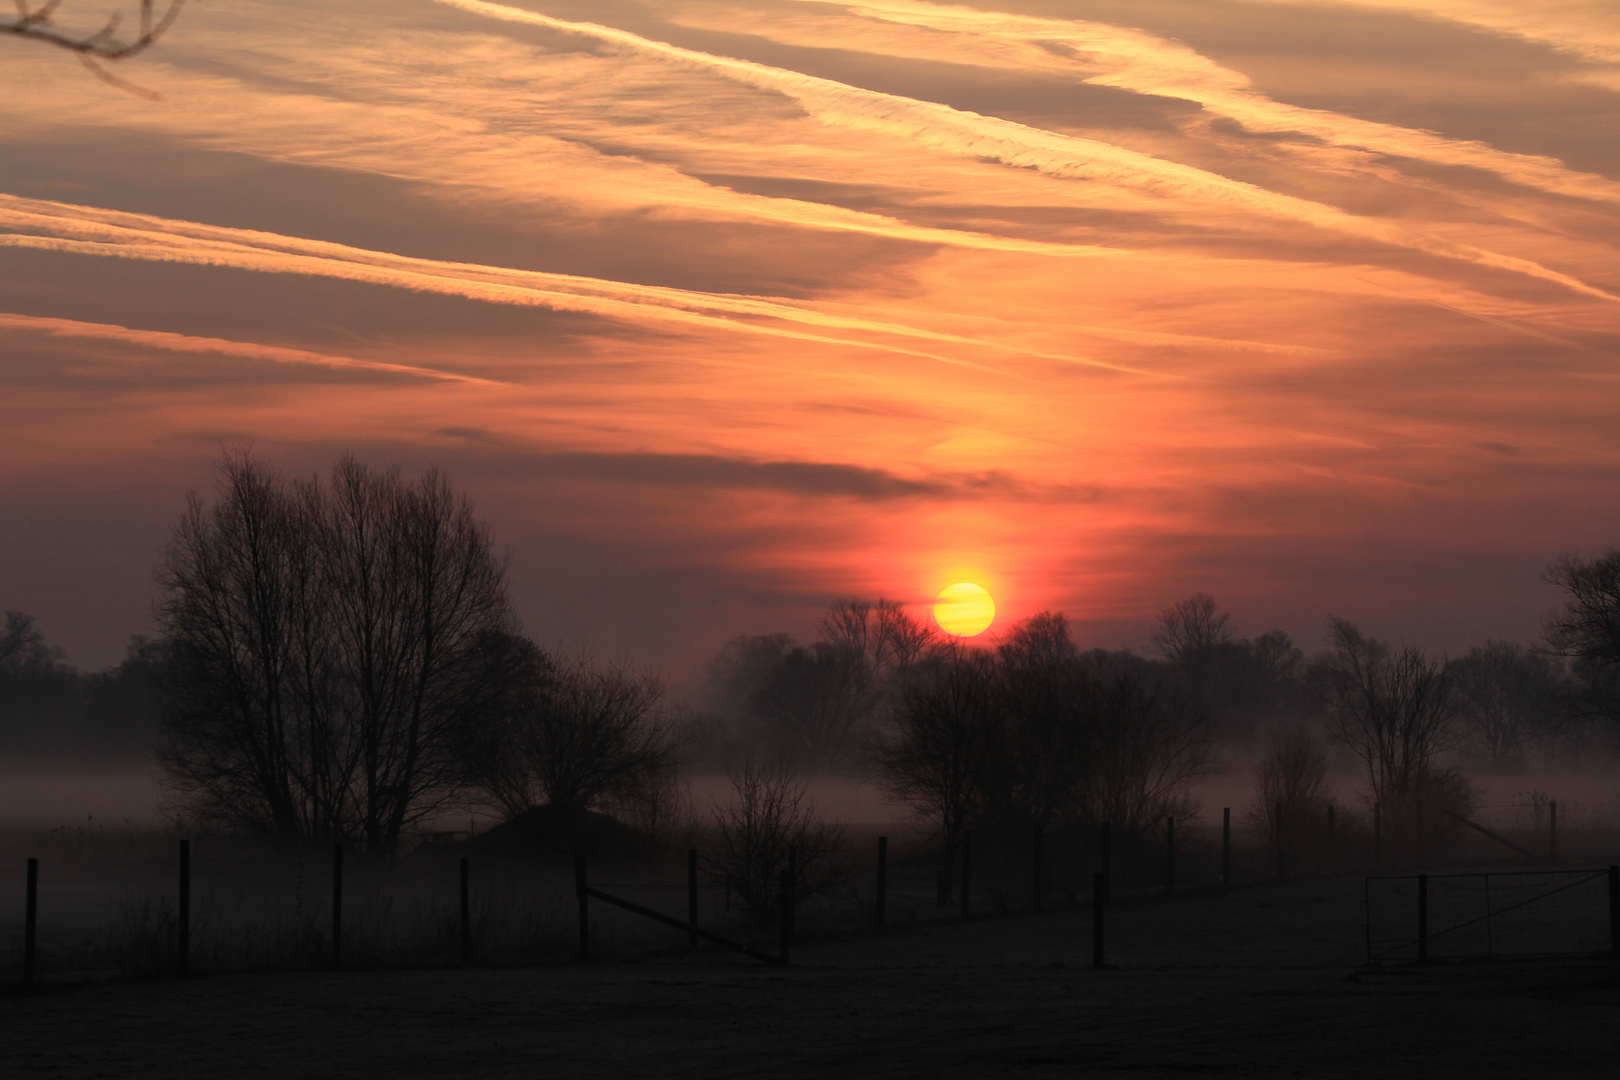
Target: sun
{"type": "Point", "coordinates": [964, 609]}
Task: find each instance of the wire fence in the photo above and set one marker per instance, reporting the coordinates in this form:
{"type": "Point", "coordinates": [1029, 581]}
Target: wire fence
{"type": "Point", "coordinates": [132, 904]}
{"type": "Point", "coordinates": [1513, 913]}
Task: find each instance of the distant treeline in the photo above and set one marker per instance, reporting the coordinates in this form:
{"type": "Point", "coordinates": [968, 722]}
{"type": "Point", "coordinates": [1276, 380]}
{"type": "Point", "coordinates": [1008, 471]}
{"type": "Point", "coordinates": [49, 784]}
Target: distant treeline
{"type": "Point", "coordinates": [51, 710]}
{"type": "Point", "coordinates": [338, 659]}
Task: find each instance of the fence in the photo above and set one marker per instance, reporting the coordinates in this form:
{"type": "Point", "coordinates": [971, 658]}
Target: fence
{"type": "Point", "coordinates": [131, 904]}
{"type": "Point", "coordinates": [1514, 913]}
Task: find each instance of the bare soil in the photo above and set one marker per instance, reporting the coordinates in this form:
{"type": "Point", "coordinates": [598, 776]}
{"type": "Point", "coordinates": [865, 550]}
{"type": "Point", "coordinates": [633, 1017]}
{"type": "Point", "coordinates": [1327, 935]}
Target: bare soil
{"type": "Point", "coordinates": [1262, 982]}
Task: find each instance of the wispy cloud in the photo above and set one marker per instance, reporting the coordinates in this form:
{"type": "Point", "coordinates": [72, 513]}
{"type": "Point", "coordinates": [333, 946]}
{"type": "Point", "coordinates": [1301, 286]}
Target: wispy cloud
{"type": "Point", "coordinates": [969, 134]}
{"type": "Point", "coordinates": [91, 231]}
{"type": "Point", "coordinates": [241, 350]}
{"type": "Point", "coordinates": [1130, 59]}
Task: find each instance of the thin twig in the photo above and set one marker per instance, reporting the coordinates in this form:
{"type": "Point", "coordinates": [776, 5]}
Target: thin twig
{"type": "Point", "coordinates": [103, 45]}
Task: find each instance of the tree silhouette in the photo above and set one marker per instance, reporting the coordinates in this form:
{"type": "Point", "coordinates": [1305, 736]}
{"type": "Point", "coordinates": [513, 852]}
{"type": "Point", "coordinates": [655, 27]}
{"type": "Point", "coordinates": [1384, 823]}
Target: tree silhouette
{"type": "Point", "coordinates": [333, 648]}
{"type": "Point", "coordinates": [99, 46]}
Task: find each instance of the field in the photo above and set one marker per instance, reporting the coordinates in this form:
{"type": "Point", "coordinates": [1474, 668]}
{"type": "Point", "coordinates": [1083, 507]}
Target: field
{"type": "Point", "coordinates": [1264, 981]}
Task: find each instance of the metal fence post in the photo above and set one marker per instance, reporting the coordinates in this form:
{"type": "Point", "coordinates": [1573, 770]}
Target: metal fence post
{"type": "Point", "coordinates": [1423, 918]}
{"type": "Point", "coordinates": [882, 881]}
{"type": "Point", "coordinates": [337, 905]}
{"type": "Point", "coordinates": [183, 914]}
{"type": "Point", "coordinates": [466, 915]}
{"type": "Point", "coordinates": [31, 924]}
{"type": "Point", "coordinates": [1099, 901]}
{"type": "Point", "coordinates": [584, 909]}
{"type": "Point", "coordinates": [1035, 871]}
{"type": "Point", "coordinates": [1169, 855]}
{"type": "Point", "coordinates": [1552, 832]}
{"type": "Point", "coordinates": [1226, 847]}
{"type": "Point", "coordinates": [692, 895]}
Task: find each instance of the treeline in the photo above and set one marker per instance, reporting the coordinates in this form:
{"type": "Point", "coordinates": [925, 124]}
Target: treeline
{"type": "Point", "coordinates": [50, 710]}
{"type": "Point", "coordinates": [338, 659]}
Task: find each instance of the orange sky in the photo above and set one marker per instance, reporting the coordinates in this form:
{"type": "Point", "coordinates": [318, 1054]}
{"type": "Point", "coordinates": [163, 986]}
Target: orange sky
{"type": "Point", "coordinates": [722, 310]}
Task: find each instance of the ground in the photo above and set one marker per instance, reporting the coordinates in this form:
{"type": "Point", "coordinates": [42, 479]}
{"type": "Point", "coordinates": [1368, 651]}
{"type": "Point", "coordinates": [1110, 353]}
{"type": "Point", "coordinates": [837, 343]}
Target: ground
{"type": "Point", "coordinates": [1263, 982]}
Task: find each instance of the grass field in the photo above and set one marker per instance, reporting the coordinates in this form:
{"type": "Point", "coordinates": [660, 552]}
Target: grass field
{"type": "Point", "coordinates": [1260, 982]}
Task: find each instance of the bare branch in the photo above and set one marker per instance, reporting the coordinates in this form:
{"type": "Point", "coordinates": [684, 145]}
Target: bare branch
{"type": "Point", "coordinates": [103, 44]}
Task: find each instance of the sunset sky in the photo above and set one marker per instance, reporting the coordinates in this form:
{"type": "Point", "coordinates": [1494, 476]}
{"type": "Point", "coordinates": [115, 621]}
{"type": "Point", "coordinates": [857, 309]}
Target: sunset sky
{"type": "Point", "coordinates": [722, 309]}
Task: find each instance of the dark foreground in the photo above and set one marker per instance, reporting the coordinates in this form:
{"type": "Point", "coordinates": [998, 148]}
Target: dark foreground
{"type": "Point", "coordinates": [1276, 993]}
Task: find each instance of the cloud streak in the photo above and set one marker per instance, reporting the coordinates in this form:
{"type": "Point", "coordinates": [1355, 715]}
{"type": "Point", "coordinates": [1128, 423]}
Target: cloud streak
{"type": "Point", "coordinates": [91, 231]}
{"type": "Point", "coordinates": [1147, 64]}
{"type": "Point", "coordinates": [209, 346]}
{"type": "Point", "coordinates": [970, 134]}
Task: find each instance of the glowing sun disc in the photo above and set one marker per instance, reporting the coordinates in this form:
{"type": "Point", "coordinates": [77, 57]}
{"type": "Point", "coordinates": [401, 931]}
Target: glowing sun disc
{"type": "Point", "coordinates": [964, 609]}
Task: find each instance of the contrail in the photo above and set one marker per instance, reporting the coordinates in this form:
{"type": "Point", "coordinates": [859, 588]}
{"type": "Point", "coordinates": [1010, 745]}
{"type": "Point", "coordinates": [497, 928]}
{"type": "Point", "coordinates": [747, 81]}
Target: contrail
{"type": "Point", "coordinates": [971, 134]}
{"type": "Point", "coordinates": [93, 231]}
{"type": "Point", "coordinates": [1144, 63]}
{"type": "Point", "coordinates": [186, 343]}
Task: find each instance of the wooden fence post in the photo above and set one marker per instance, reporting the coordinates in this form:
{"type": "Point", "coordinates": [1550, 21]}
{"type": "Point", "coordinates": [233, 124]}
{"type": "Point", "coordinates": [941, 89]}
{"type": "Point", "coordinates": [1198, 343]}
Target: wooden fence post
{"type": "Point", "coordinates": [967, 870]}
{"type": "Point", "coordinates": [580, 886]}
{"type": "Point", "coordinates": [466, 915]}
{"type": "Point", "coordinates": [1169, 855]}
{"type": "Point", "coordinates": [1099, 901]}
{"type": "Point", "coordinates": [31, 924]}
{"type": "Point", "coordinates": [1423, 918]}
{"type": "Point", "coordinates": [1226, 847]}
{"type": "Point", "coordinates": [882, 881]}
{"type": "Point", "coordinates": [337, 905]}
{"type": "Point", "coordinates": [692, 896]}
{"type": "Point", "coordinates": [1035, 871]}
{"type": "Point", "coordinates": [183, 914]}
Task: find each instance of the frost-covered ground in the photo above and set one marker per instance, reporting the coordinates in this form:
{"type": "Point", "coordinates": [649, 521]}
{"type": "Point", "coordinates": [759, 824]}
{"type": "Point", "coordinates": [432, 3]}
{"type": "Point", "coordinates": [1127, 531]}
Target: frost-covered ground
{"type": "Point", "coordinates": [1263, 982]}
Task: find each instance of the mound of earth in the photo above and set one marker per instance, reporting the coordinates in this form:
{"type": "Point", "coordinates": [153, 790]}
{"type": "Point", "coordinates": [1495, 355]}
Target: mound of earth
{"type": "Point", "coordinates": [552, 833]}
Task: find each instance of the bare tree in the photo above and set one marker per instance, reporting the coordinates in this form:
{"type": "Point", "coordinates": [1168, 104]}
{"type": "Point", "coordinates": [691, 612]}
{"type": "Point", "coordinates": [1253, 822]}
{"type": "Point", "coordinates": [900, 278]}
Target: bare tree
{"type": "Point", "coordinates": [332, 647]}
{"type": "Point", "coordinates": [943, 730]}
{"type": "Point", "coordinates": [99, 46]}
{"type": "Point", "coordinates": [1586, 632]}
{"type": "Point", "coordinates": [1396, 709]}
{"type": "Point", "coordinates": [768, 813]}
{"type": "Point", "coordinates": [23, 648]}
{"type": "Point", "coordinates": [815, 704]}
{"type": "Point", "coordinates": [1150, 742]}
{"type": "Point", "coordinates": [1190, 629]}
{"type": "Point", "coordinates": [587, 735]}
{"type": "Point", "coordinates": [883, 633]}
{"type": "Point", "coordinates": [1505, 695]}
{"type": "Point", "coordinates": [1043, 756]}
{"type": "Point", "coordinates": [1292, 774]}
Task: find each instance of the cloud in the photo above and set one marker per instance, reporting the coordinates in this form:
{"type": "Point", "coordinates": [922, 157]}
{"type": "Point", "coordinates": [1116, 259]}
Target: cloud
{"type": "Point", "coordinates": [969, 134]}
{"type": "Point", "coordinates": [91, 231]}
{"type": "Point", "coordinates": [1145, 63]}
{"type": "Point", "coordinates": [809, 479]}
{"type": "Point", "coordinates": [184, 343]}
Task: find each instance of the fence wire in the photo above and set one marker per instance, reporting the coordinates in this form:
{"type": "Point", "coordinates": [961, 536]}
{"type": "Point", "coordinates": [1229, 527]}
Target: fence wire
{"type": "Point", "coordinates": [109, 904]}
{"type": "Point", "coordinates": [1514, 913]}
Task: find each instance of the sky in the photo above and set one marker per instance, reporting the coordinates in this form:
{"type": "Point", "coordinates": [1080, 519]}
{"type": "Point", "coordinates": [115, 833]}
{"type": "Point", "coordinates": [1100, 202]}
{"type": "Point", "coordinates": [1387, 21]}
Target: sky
{"type": "Point", "coordinates": [720, 311]}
